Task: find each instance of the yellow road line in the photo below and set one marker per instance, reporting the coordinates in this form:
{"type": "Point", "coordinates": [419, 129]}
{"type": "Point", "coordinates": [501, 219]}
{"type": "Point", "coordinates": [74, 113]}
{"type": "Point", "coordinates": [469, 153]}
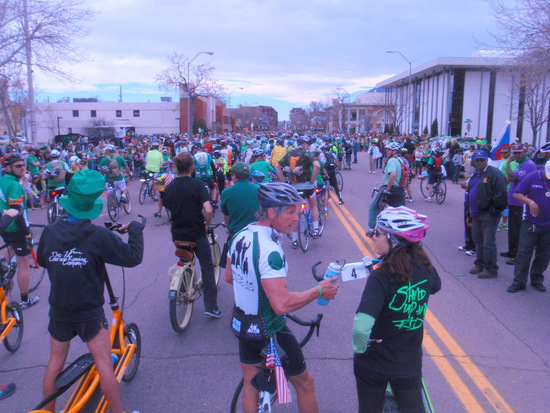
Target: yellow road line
{"type": "Point", "coordinates": [351, 218]}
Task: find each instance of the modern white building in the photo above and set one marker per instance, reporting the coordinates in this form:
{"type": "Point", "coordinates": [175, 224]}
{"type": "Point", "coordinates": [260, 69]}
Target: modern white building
{"type": "Point", "coordinates": [469, 96]}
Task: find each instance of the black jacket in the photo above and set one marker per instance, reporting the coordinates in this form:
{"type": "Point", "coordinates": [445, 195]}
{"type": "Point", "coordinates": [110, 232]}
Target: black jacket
{"type": "Point", "coordinates": [492, 196]}
{"type": "Point", "coordinates": [75, 254]}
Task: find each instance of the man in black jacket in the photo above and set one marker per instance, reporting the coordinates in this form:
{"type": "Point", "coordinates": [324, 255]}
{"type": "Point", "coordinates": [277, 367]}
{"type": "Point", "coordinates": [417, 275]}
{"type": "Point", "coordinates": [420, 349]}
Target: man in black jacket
{"type": "Point", "coordinates": [75, 252]}
{"type": "Point", "coordinates": [487, 198]}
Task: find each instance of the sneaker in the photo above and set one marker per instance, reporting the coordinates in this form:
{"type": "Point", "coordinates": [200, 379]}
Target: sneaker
{"type": "Point", "coordinates": [511, 261]}
{"type": "Point", "coordinates": [508, 254]}
{"type": "Point", "coordinates": [502, 227]}
{"type": "Point", "coordinates": [476, 270]}
{"type": "Point", "coordinates": [7, 391]}
{"type": "Point", "coordinates": [539, 287]}
{"type": "Point", "coordinates": [484, 275]}
{"type": "Point", "coordinates": [428, 199]}
{"type": "Point", "coordinates": [157, 214]}
{"type": "Point", "coordinates": [30, 302]}
{"type": "Point", "coordinates": [470, 253]}
{"type": "Point", "coordinates": [514, 288]}
{"type": "Point", "coordinates": [123, 199]}
{"type": "Point", "coordinates": [410, 200]}
{"type": "Point", "coordinates": [295, 244]}
{"type": "Point", "coordinates": [213, 312]}
{"type": "Point", "coordinates": [462, 248]}
{"type": "Point", "coordinates": [341, 202]}
{"type": "Point", "coordinates": [316, 234]}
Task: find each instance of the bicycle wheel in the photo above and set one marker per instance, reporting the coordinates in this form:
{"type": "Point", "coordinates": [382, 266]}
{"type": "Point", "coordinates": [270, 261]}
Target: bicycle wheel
{"type": "Point", "coordinates": [322, 215]}
{"type": "Point", "coordinates": [112, 207]}
{"type": "Point", "coordinates": [181, 307]}
{"type": "Point", "coordinates": [37, 272]}
{"type": "Point", "coordinates": [303, 232]}
{"type": "Point", "coordinates": [143, 192]}
{"type": "Point", "coordinates": [340, 181]}
{"type": "Point", "coordinates": [424, 187]}
{"type": "Point", "coordinates": [52, 212]}
{"type": "Point", "coordinates": [440, 191]}
{"type": "Point", "coordinates": [127, 205]}
{"type": "Point", "coordinates": [13, 340]}
{"type": "Point", "coordinates": [216, 254]}
{"type": "Point", "coordinates": [237, 401]}
{"type": "Point", "coordinates": [132, 336]}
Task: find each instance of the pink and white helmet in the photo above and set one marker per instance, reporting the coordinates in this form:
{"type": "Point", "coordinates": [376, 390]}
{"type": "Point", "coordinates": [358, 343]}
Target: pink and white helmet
{"type": "Point", "coordinates": [403, 222]}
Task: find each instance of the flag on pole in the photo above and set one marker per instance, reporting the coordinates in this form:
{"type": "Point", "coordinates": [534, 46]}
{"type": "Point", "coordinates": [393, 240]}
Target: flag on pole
{"type": "Point", "coordinates": [503, 141]}
{"type": "Point", "coordinates": [273, 361]}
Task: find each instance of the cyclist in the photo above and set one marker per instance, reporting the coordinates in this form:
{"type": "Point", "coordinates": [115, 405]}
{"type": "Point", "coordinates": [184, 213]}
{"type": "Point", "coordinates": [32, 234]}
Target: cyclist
{"type": "Point", "coordinates": [204, 170]}
{"type": "Point", "coordinates": [17, 234]}
{"type": "Point", "coordinates": [112, 166]}
{"type": "Point", "coordinates": [56, 170]}
{"type": "Point", "coordinates": [300, 166]}
{"type": "Point", "coordinates": [187, 198]}
{"type": "Point", "coordinates": [257, 268]}
{"type": "Point", "coordinates": [435, 170]}
{"type": "Point", "coordinates": [161, 181]}
{"type": "Point", "coordinates": [153, 160]}
{"type": "Point", "coordinates": [392, 176]}
{"type": "Point", "coordinates": [278, 152]}
{"type": "Point", "coordinates": [260, 164]}
{"type": "Point", "coordinates": [330, 167]}
{"type": "Point", "coordinates": [322, 177]}
{"type": "Point", "coordinates": [75, 251]}
{"type": "Point", "coordinates": [405, 159]}
{"type": "Point", "coordinates": [388, 326]}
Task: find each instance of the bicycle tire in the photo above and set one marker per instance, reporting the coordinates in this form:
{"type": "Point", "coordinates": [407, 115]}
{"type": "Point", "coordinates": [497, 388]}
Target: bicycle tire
{"type": "Point", "coordinates": [51, 213]}
{"type": "Point", "coordinates": [303, 232]}
{"type": "Point", "coordinates": [424, 187]}
{"type": "Point", "coordinates": [13, 340]}
{"type": "Point", "coordinates": [132, 336]}
{"type": "Point", "coordinates": [321, 209]}
{"type": "Point", "coordinates": [216, 255]}
{"type": "Point", "coordinates": [37, 272]}
{"type": "Point", "coordinates": [112, 207]}
{"type": "Point", "coordinates": [127, 205]}
{"type": "Point", "coordinates": [441, 192]}
{"type": "Point", "coordinates": [340, 180]}
{"type": "Point", "coordinates": [142, 193]}
{"type": "Point", "coordinates": [181, 308]}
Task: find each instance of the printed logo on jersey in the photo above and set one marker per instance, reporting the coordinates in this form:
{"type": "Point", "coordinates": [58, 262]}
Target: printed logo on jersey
{"type": "Point", "coordinates": [411, 301]}
{"type": "Point", "coordinates": [275, 260]}
{"type": "Point", "coordinates": [71, 258]}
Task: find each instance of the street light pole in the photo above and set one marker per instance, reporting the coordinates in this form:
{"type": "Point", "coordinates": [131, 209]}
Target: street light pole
{"type": "Point", "coordinates": [189, 114]}
{"type": "Point", "coordinates": [58, 132]}
{"type": "Point", "coordinates": [230, 116]}
{"type": "Point", "coordinates": [409, 96]}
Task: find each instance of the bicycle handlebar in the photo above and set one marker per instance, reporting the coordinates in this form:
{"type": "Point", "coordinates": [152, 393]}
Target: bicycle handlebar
{"type": "Point", "coordinates": [313, 325]}
{"type": "Point", "coordinates": [123, 229]}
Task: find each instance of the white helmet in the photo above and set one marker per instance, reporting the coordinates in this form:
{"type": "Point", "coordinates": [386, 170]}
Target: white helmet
{"type": "Point", "coordinates": [55, 153]}
{"type": "Point", "coordinates": [403, 222]}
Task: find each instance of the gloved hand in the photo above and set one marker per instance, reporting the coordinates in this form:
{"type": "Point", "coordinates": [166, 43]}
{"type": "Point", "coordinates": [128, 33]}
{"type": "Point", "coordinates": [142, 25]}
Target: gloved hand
{"type": "Point", "coordinates": [136, 226]}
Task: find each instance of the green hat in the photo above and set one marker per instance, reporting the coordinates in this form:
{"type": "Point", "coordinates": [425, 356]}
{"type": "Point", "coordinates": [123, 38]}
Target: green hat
{"type": "Point", "coordinates": [84, 191]}
{"type": "Point", "coordinates": [241, 170]}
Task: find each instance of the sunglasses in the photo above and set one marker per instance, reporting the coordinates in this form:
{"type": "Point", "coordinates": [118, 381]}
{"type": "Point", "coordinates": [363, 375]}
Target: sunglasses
{"type": "Point", "coordinates": [20, 165]}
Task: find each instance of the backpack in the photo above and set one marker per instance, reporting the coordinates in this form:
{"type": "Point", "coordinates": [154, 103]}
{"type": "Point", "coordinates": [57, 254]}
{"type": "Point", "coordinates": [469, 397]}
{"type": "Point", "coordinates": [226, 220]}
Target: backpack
{"type": "Point", "coordinates": [114, 172]}
{"type": "Point", "coordinates": [405, 173]}
{"type": "Point", "coordinates": [60, 177]}
{"type": "Point", "coordinates": [330, 161]}
{"type": "Point", "coordinates": [437, 162]}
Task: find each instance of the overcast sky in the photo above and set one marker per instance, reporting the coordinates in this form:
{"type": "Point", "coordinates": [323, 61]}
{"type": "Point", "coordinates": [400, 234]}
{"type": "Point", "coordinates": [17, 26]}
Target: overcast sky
{"type": "Point", "coordinates": [283, 53]}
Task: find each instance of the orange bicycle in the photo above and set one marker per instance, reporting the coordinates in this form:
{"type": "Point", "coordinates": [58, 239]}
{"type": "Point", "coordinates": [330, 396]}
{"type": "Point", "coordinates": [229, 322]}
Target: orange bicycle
{"type": "Point", "coordinates": [11, 314]}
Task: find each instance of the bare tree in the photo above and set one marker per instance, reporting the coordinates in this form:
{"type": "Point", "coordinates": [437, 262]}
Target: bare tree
{"type": "Point", "coordinates": [317, 114]}
{"type": "Point", "coordinates": [342, 102]}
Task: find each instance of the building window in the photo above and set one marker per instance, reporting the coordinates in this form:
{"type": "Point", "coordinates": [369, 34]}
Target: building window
{"type": "Point", "coordinates": [118, 113]}
{"type": "Point", "coordinates": [93, 114]}
{"type": "Point", "coordinates": [136, 113]}
{"type": "Point", "coordinates": [75, 113]}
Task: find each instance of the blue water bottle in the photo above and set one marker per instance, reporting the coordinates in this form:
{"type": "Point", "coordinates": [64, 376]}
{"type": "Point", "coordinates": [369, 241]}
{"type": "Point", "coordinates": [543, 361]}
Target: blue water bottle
{"type": "Point", "coordinates": [333, 270]}
{"type": "Point", "coordinates": [114, 358]}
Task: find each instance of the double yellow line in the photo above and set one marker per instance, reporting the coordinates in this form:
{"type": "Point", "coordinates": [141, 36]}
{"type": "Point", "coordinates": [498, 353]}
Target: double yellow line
{"type": "Point", "coordinates": [466, 397]}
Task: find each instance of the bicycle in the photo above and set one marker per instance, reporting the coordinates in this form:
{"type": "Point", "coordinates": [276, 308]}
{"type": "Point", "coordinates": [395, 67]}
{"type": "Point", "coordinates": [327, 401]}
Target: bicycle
{"type": "Point", "coordinates": [340, 180]}
{"type": "Point", "coordinates": [186, 282]}
{"type": "Point", "coordinates": [114, 202]}
{"type": "Point", "coordinates": [146, 189]}
{"type": "Point", "coordinates": [266, 381]}
{"type": "Point", "coordinates": [11, 313]}
{"type": "Point", "coordinates": [55, 210]}
{"type": "Point", "coordinates": [439, 189]}
{"type": "Point", "coordinates": [321, 207]}
{"type": "Point", "coordinates": [305, 221]}
{"type": "Point", "coordinates": [125, 351]}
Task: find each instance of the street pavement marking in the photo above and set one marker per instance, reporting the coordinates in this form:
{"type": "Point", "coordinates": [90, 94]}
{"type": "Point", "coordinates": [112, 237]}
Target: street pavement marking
{"type": "Point", "coordinates": [361, 231]}
{"type": "Point", "coordinates": [457, 384]}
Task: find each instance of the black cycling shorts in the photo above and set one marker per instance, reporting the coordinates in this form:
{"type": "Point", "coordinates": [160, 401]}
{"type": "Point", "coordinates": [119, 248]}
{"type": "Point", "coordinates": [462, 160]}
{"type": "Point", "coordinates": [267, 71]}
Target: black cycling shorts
{"type": "Point", "coordinates": [432, 176]}
{"type": "Point", "coordinates": [294, 362]}
{"type": "Point", "coordinates": [87, 330]}
{"type": "Point", "coordinates": [210, 182]}
{"type": "Point", "coordinates": [19, 242]}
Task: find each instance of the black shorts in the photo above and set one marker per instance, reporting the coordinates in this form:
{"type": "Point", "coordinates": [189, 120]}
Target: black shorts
{"type": "Point", "coordinates": [210, 182]}
{"type": "Point", "coordinates": [293, 364]}
{"type": "Point", "coordinates": [19, 242]}
{"type": "Point", "coordinates": [432, 176]}
{"type": "Point", "coordinates": [64, 331]}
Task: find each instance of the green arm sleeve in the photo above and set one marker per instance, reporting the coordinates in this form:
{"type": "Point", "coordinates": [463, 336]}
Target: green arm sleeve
{"type": "Point", "coordinates": [362, 327]}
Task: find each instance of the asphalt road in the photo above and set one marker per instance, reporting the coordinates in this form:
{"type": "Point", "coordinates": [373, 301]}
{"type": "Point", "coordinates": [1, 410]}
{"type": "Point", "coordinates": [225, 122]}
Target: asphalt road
{"type": "Point", "coordinates": [485, 350]}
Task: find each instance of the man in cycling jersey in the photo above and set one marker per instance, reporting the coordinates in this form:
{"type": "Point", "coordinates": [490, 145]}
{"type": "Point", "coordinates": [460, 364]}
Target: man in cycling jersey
{"type": "Point", "coordinates": [392, 176]}
{"type": "Point", "coordinates": [435, 169]}
{"type": "Point", "coordinates": [257, 268]}
{"type": "Point", "coordinates": [204, 170]}
{"type": "Point", "coordinates": [75, 251]}
{"type": "Point", "coordinates": [114, 173]}
{"type": "Point", "coordinates": [56, 170]}
{"type": "Point", "coordinates": [153, 160]}
{"type": "Point", "coordinates": [12, 195]}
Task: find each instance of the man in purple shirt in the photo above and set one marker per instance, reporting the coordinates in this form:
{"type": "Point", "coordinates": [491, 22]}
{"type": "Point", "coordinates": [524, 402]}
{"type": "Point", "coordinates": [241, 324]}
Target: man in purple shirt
{"type": "Point", "coordinates": [525, 166]}
{"type": "Point", "coordinates": [533, 192]}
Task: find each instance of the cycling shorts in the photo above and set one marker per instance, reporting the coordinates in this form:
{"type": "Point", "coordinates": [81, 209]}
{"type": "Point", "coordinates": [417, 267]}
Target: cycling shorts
{"type": "Point", "coordinates": [120, 184]}
{"type": "Point", "coordinates": [432, 177]}
{"type": "Point", "coordinates": [210, 182]}
{"type": "Point", "coordinates": [18, 241]}
{"type": "Point", "coordinates": [87, 330]}
{"type": "Point", "coordinates": [294, 362]}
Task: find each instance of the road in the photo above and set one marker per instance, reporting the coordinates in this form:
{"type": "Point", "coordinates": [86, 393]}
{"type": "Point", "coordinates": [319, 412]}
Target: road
{"type": "Point", "coordinates": [485, 350]}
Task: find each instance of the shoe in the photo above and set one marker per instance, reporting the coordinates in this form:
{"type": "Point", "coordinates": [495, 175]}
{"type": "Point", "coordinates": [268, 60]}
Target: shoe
{"type": "Point", "coordinates": [502, 227]}
{"type": "Point", "coordinates": [476, 270]}
{"type": "Point", "coordinates": [462, 248]}
{"type": "Point", "coordinates": [213, 312]}
{"type": "Point", "coordinates": [315, 234]}
{"type": "Point", "coordinates": [157, 214]}
{"type": "Point", "coordinates": [341, 202]}
{"type": "Point", "coordinates": [295, 244]}
{"type": "Point", "coordinates": [123, 199]}
{"type": "Point", "coordinates": [470, 253]}
{"type": "Point", "coordinates": [7, 391]}
{"type": "Point", "coordinates": [428, 199]}
{"type": "Point", "coordinates": [539, 287]}
{"type": "Point", "coordinates": [508, 254]}
{"type": "Point", "coordinates": [484, 275]}
{"type": "Point", "coordinates": [514, 288]}
{"type": "Point", "coordinates": [410, 200]}
{"type": "Point", "coordinates": [30, 302]}
{"type": "Point", "coordinates": [511, 261]}
{"type": "Point", "coordinates": [155, 198]}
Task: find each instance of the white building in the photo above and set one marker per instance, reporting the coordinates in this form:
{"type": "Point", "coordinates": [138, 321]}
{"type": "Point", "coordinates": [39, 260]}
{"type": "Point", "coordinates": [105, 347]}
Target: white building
{"type": "Point", "coordinates": [364, 114]}
{"type": "Point", "coordinates": [469, 96]}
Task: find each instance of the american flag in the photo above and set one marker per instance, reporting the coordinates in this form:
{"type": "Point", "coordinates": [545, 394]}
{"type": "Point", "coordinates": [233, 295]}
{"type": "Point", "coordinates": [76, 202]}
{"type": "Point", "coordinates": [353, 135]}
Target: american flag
{"type": "Point", "coordinates": [273, 361]}
{"type": "Point", "coordinates": [169, 178]}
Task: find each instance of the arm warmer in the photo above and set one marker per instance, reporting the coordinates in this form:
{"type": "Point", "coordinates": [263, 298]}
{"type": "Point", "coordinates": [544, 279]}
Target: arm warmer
{"type": "Point", "coordinates": [362, 327]}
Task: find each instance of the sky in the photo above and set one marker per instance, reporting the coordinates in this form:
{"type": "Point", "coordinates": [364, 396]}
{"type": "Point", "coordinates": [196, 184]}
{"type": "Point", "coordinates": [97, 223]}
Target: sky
{"type": "Point", "coordinates": [283, 53]}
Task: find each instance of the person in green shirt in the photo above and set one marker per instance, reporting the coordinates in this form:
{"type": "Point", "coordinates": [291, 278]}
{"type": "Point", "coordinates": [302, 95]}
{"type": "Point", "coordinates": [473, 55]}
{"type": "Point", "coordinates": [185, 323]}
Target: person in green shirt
{"type": "Point", "coordinates": [153, 160]}
{"type": "Point", "coordinates": [112, 166]}
{"type": "Point", "coordinates": [322, 178]}
{"type": "Point", "coordinates": [33, 164]}
{"type": "Point", "coordinates": [260, 164]}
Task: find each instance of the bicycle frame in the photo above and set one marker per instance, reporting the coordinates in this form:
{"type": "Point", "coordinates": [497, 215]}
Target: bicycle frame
{"type": "Point", "coordinates": [8, 322]}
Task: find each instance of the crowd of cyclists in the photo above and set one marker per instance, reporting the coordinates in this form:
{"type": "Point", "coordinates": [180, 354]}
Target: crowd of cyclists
{"type": "Point", "coordinates": [274, 173]}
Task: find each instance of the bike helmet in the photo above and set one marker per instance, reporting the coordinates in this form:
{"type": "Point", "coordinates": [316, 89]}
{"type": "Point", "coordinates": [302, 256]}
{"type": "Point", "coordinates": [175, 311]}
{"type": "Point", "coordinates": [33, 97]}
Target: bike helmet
{"type": "Point", "coordinates": [274, 194]}
{"type": "Point", "coordinates": [166, 164]}
{"type": "Point", "coordinates": [259, 152]}
{"type": "Point", "coordinates": [280, 141]}
{"type": "Point", "coordinates": [404, 151]}
{"type": "Point", "coordinates": [105, 169]}
{"type": "Point", "coordinates": [259, 175]}
{"type": "Point", "coordinates": [393, 146]}
{"type": "Point", "coordinates": [55, 153]}
{"type": "Point", "coordinates": [10, 159]}
{"type": "Point", "coordinates": [303, 139]}
{"type": "Point", "coordinates": [316, 152]}
{"type": "Point", "coordinates": [110, 147]}
{"type": "Point", "coordinates": [404, 223]}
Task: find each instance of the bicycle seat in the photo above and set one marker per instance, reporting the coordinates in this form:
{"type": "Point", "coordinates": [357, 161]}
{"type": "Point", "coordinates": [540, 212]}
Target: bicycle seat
{"type": "Point", "coordinates": [183, 250]}
{"type": "Point", "coordinates": [304, 186]}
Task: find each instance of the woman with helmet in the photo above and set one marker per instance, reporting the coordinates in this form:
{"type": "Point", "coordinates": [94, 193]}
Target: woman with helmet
{"type": "Point", "coordinates": [260, 164]}
{"type": "Point", "coordinates": [388, 325]}
{"type": "Point", "coordinates": [164, 177]}
{"type": "Point", "coordinates": [257, 268]}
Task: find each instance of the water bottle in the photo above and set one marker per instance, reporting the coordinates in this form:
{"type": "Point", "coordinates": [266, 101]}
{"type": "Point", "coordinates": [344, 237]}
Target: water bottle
{"type": "Point", "coordinates": [333, 270]}
{"type": "Point", "coordinates": [115, 359]}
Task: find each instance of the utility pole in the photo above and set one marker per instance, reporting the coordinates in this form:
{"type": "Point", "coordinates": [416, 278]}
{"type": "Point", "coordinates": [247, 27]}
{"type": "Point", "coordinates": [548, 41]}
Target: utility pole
{"type": "Point", "coordinates": [28, 51]}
